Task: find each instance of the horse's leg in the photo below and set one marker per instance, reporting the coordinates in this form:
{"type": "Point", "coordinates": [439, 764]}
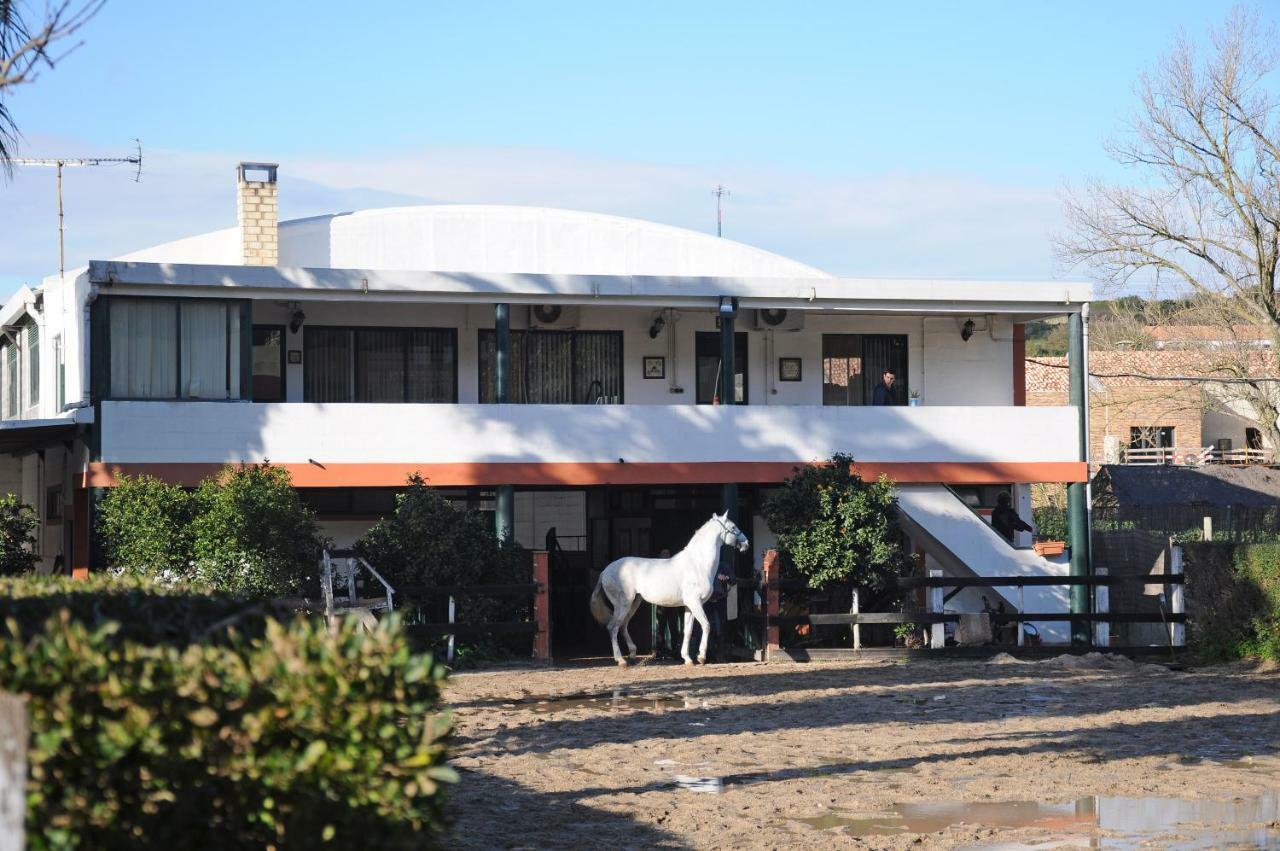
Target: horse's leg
{"type": "Point", "coordinates": [688, 632]}
{"type": "Point", "coordinates": [626, 624]}
{"type": "Point", "coordinates": [695, 611]}
{"type": "Point", "coordinates": [616, 620]}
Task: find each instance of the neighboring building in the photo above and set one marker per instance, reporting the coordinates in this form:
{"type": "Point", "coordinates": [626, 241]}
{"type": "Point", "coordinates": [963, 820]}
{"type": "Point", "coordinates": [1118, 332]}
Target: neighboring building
{"type": "Point", "coordinates": [357, 349]}
{"type": "Point", "coordinates": [1134, 419]}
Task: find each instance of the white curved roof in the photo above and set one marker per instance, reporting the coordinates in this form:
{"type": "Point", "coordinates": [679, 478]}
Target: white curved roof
{"type": "Point", "coordinates": [491, 239]}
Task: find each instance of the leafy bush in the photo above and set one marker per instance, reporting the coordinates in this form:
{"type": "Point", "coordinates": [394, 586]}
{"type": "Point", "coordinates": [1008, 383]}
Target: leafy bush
{"type": "Point", "coordinates": [1233, 599]}
{"type": "Point", "coordinates": [18, 524]}
{"type": "Point", "coordinates": [290, 738]}
{"type": "Point", "coordinates": [1050, 522]}
{"type": "Point", "coordinates": [836, 527]}
{"type": "Point", "coordinates": [144, 526]}
{"type": "Point", "coordinates": [251, 532]}
{"type": "Point", "coordinates": [427, 541]}
{"type": "Point", "coordinates": [430, 542]}
{"type": "Point", "coordinates": [1258, 566]}
{"type": "Point", "coordinates": [244, 531]}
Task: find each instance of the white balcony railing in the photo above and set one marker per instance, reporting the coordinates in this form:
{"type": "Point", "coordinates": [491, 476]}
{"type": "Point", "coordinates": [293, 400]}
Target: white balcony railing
{"type": "Point", "coordinates": [1194, 456]}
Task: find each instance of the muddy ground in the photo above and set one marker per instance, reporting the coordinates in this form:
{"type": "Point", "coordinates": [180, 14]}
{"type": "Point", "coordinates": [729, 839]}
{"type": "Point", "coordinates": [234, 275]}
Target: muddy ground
{"type": "Point", "coordinates": [867, 755]}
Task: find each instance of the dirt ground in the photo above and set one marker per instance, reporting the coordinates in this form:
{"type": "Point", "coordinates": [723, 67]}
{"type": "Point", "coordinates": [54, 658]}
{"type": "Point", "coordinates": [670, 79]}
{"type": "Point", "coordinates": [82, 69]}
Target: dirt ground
{"type": "Point", "coordinates": [866, 755]}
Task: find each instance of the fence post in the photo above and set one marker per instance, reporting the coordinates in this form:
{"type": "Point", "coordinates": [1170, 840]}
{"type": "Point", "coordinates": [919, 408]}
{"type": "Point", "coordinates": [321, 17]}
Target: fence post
{"type": "Point", "coordinates": [542, 606]}
{"type": "Point", "coordinates": [326, 590]}
{"type": "Point", "coordinates": [1022, 607]}
{"type": "Point", "coordinates": [937, 631]}
{"type": "Point", "coordinates": [1178, 598]}
{"type": "Point", "coordinates": [772, 604]}
{"type": "Point", "coordinates": [13, 771]}
{"type": "Point", "coordinates": [857, 629]}
{"type": "Point", "coordinates": [1208, 527]}
{"type": "Point", "coordinates": [1101, 606]}
{"type": "Point", "coordinates": [453, 618]}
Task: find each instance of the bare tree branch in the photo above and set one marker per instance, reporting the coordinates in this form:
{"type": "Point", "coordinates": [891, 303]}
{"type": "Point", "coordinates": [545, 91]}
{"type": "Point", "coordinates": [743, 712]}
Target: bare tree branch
{"type": "Point", "coordinates": [1203, 213]}
{"type": "Point", "coordinates": [28, 44]}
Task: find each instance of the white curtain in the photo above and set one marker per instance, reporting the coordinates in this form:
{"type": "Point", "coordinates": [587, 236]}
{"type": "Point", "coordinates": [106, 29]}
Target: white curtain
{"type": "Point", "coordinates": [143, 349]}
{"type": "Point", "coordinates": [204, 351]}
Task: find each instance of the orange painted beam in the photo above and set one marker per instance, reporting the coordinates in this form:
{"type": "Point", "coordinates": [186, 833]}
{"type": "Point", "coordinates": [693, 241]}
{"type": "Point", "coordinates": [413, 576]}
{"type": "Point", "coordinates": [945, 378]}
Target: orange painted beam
{"type": "Point", "coordinates": [103, 474]}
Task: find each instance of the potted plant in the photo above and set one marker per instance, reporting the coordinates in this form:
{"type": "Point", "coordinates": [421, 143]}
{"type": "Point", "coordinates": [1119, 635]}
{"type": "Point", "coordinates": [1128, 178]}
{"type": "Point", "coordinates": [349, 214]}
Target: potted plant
{"type": "Point", "coordinates": [914, 401]}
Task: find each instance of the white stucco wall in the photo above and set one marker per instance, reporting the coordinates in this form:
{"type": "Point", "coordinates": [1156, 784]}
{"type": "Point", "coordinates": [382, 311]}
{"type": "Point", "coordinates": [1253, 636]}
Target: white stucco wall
{"type": "Point", "coordinates": [227, 432]}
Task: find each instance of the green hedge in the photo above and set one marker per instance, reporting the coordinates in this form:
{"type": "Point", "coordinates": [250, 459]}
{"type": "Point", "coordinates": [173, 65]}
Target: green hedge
{"type": "Point", "coordinates": [290, 737]}
{"type": "Point", "coordinates": [1233, 599]}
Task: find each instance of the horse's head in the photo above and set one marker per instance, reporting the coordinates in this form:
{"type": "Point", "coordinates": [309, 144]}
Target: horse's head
{"type": "Point", "coordinates": [730, 534]}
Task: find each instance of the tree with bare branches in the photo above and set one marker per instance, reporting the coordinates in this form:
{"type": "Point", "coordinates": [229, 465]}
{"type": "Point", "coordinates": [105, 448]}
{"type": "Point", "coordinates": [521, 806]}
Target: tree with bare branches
{"type": "Point", "coordinates": [29, 43]}
{"type": "Point", "coordinates": [1202, 218]}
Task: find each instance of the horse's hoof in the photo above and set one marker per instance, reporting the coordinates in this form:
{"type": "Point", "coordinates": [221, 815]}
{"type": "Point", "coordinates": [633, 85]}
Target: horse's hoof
{"type": "Point", "coordinates": [622, 663]}
{"type": "Point", "coordinates": [688, 663]}
{"type": "Point", "coordinates": [702, 660]}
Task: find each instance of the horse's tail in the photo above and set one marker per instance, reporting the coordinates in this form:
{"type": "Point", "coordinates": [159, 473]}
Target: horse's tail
{"type": "Point", "coordinates": [600, 608]}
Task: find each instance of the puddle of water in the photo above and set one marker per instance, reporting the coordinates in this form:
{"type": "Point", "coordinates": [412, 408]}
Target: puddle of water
{"type": "Point", "coordinates": [710, 785]}
{"type": "Point", "coordinates": [1127, 823]}
{"type": "Point", "coordinates": [605, 702]}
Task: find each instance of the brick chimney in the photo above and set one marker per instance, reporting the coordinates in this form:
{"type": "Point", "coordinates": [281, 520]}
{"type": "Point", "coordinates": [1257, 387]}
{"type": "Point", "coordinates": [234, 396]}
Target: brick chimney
{"type": "Point", "coordinates": [256, 211]}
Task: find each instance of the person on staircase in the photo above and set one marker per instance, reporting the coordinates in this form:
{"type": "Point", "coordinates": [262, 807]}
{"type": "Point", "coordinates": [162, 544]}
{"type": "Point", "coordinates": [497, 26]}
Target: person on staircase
{"type": "Point", "coordinates": [1005, 519]}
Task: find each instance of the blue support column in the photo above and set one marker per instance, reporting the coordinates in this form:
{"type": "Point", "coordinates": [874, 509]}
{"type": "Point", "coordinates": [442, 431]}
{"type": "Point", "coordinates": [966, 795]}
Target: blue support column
{"type": "Point", "coordinates": [1077, 496]}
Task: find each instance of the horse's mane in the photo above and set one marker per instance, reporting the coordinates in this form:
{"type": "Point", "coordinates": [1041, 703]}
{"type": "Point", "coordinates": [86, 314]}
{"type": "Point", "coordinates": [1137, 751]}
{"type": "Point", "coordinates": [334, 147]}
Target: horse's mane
{"type": "Point", "coordinates": [697, 535]}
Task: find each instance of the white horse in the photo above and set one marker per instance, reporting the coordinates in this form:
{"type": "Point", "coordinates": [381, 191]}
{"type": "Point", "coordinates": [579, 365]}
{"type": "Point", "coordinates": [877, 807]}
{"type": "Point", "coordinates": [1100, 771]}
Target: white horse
{"type": "Point", "coordinates": [686, 579]}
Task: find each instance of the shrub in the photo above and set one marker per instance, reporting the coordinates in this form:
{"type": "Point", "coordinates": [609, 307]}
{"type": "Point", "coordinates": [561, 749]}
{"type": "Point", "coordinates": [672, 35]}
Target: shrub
{"type": "Point", "coordinates": [244, 531]}
{"type": "Point", "coordinates": [18, 524]}
{"type": "Point", "coordinates": [144, 525]}
{"type": "Point", "coordinates": [290, 738]}
{"type": "Point", "coordinates": [427, 541]}
{"type": "Point", "coordinates": [252, 534]}
{"type": "Point", "coordinates": [1233, 597]}
{"type": "Point", "coordinates": [835, 526]}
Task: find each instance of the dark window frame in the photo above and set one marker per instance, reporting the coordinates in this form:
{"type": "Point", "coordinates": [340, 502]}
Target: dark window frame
{"type": "Point", "coordinates": [741, 349]}
{"type": "Point", "coordinates": [284, 366]}
{"type": "Point", "coordinates": [572, 334]}
{"type": "Point", "coordinates": [405, 331]}
{"type": "Point", "coordinates": [867, 381]}
{"type": "Point", "coordinates": [100, 348]}
{"type": "Point", "coordinates": [1152, 437]}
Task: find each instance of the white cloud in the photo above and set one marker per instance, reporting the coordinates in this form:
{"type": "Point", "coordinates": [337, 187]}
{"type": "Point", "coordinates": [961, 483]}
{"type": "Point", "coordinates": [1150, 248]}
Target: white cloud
{"type": "Point", "coordinates": [892, 224]}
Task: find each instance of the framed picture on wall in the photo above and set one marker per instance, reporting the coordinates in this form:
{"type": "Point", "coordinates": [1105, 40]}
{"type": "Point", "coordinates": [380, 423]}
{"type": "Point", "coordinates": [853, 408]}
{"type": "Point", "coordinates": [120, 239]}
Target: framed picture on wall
{"type": "Point", "coordinates": [789, 369]}
{"type": "Point", "coordinates": [295, 356]}
{"type": "Point", "coordinates": [655, 366]}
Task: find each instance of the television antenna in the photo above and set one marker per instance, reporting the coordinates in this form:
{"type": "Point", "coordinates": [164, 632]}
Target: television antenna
{"type": "Point", "coordinates": [59, 163]}
{"type": "Point", "coordinates": [721, 193]}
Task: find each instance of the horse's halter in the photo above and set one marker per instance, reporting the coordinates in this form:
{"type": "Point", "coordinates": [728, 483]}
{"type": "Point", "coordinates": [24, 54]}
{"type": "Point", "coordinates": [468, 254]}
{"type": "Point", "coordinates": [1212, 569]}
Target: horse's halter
{"type": "Point", "coordinates": [730, 537]}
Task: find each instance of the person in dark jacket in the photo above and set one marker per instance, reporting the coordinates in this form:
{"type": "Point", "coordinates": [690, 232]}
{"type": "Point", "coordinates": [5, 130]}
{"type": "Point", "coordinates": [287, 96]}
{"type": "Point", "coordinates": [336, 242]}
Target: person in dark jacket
{"type": "Point", "coordinates": [884, 394]}
{"type": "Point", "coordinates": [1005, 520]}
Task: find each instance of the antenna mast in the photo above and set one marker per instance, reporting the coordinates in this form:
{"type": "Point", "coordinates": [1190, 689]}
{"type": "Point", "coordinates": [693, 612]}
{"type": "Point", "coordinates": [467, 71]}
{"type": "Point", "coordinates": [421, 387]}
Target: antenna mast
{"type": "Point", "coordinates": [58, 163]}
{"type": "Point", "coordinates": [721, 193]}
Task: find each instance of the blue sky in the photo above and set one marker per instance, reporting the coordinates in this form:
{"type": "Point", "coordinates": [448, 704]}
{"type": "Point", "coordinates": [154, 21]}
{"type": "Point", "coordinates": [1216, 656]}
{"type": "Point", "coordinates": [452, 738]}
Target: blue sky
{"type": "Point", "coordinates": [895, 139]}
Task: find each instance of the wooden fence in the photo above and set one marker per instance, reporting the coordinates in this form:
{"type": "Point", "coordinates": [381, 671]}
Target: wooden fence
{"type": "Point", "coordinates": [455, 597]}
{"type": "Point", "coordinates": [935, 617]}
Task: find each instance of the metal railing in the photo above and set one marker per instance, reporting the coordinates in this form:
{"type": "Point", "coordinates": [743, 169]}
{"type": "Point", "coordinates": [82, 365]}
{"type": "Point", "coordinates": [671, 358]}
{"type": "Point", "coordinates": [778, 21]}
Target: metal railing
{"type": "Point", "coordinates": [352, 563]}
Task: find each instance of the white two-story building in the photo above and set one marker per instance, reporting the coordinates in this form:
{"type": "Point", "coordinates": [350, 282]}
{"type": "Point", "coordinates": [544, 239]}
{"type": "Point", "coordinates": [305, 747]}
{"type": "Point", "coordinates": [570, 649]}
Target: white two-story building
{"type": "Point", "coordinates": [359, 348]}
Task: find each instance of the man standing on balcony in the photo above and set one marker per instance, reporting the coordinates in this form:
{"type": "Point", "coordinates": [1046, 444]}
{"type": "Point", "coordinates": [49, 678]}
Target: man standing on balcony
{"type": "Point", "coordinates": [884, 394]}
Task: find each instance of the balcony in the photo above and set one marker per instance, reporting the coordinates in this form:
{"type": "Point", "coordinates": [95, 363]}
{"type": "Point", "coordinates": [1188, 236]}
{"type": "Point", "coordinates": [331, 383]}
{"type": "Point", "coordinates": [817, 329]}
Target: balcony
{"type": "Point", "coordinates": [370, 445]}
{"type": "Point", "coordinates": [1195, 456]}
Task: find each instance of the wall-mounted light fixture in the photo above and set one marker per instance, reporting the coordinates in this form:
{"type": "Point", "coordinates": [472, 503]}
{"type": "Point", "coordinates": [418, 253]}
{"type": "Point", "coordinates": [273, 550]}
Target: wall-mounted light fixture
{"type": "Point", "coordinates": [295, 321]}
{"type": "Point", "coordinates": [966, 331]}
{"type": "Point", "coordinates": [659, 322]}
